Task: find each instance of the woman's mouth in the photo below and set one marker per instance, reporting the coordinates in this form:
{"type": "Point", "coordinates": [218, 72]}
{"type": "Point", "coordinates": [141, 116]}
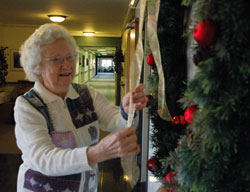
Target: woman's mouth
{"type": "Point", "coordinates": [64, 74]}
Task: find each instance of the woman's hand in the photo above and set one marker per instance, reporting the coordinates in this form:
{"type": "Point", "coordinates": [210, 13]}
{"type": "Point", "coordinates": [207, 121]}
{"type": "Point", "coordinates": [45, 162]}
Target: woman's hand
{"type": "Point", "coordinates": [121, 143]}
{"type": "Point", "coordinates": [138, 98]}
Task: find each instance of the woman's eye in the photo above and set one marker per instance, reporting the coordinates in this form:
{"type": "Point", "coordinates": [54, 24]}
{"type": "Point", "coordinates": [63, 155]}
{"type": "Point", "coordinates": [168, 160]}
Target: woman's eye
{"type": "Point", "coordinates": [57, 60]}
{"type": "Point", "coordinates": [70, 57]}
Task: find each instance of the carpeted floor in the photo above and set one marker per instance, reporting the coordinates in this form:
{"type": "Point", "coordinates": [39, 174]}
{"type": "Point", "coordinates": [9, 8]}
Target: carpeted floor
{"type": "Point", "coordinates": [105, 84]}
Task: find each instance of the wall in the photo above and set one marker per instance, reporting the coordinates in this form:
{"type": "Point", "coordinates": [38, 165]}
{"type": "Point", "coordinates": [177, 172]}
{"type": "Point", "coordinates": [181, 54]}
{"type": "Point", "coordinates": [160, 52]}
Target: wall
{"type": "Point", "coordinates": [98, 41]}
{"type": "Point", "coordinates": [128, 50]}
{"type": "Point", "coordinates": [85, 72]}
{"type": "Point", "coordinates": [14, 36]}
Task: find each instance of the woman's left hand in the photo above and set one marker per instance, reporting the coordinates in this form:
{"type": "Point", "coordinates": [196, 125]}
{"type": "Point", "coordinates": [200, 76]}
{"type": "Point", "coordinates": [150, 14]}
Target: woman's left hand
{"type": "Point", "coordinates": [138, 98]}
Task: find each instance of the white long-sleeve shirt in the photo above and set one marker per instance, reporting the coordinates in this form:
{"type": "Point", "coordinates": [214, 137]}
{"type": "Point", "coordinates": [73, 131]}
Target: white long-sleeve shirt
{"type": "Point", "coordinates": [63, 152]}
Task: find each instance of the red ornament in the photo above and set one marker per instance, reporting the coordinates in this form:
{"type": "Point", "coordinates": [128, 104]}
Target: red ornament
{"type": "Point", "coordinates": [153, 164]}
{"type": "Point", "coordinates": [151, 61]}
{"type": "Point", "coordinates": [204, 33]}
{"type": "Point", "coordinates": [176, 120]}
{"type": "Point", "coordinates": [170, 177]}
{"type": "Point", "coordinates": [182, 120]}
{"type": "Point", "coordinates": [189, 113]}
{"type": "Point", "coordinates": [148, 100]}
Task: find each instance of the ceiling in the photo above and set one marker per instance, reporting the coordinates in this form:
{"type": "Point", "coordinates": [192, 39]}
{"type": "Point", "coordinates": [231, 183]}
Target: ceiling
{"type": "Point", "coordinates": [106, 18]}
{"type": "Point", "coordinates": [103, 51]}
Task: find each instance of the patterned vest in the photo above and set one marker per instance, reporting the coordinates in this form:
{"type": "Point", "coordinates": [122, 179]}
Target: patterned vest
{"type": "Point", "coordinates": [38, 182]}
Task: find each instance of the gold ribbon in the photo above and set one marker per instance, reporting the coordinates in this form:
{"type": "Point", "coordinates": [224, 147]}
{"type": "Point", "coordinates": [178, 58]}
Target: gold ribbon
{"type": "Point", "coordinates": [136, 65]}
{"type": "Point", "coordinates": [129, 164]}
{"type": "Point", "coordinates": [153, 12]}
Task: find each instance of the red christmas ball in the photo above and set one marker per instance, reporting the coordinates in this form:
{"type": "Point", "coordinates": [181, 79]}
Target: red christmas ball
{"type": "Point", "coordinates": [176, 120]}
{"type": "Point", "coordinates": [189, 113]}
{"type": "Point", "coordinates": [151, 61]}
{"type": "Point", "coordinates": [204, 33]}
{"type": "Point", "coordinates": [153, 164]}
{"type": "Point", "coordinates": [182, 120]}
{"type": "Point", "coordinates": [170, 177]}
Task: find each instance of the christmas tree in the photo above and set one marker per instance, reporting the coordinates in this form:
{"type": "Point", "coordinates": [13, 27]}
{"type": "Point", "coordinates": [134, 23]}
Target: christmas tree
{"type": "Point", "coordinates": [165, 134]}
{"type": "Point", "coordinates": [212, 150]}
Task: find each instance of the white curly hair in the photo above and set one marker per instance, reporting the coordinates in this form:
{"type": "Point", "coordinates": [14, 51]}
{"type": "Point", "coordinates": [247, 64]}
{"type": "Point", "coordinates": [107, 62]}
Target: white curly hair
{"type": "Point", "coordinates": [32, 48]}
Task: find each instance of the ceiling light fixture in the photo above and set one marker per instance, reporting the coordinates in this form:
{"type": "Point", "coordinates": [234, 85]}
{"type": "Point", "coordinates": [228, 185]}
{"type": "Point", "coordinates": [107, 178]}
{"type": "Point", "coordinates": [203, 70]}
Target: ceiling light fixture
{"type": "Point", "coordinates": [88, 33]}
{"type": "Point", "coordinates": [57, 18]}
{"type": "Point", "coordinates": [132, 3]}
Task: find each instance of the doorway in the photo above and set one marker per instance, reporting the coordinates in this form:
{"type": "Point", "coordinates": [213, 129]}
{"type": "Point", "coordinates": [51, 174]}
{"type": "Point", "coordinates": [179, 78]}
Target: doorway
{"type": "Point", "coordinates": [105, 66]}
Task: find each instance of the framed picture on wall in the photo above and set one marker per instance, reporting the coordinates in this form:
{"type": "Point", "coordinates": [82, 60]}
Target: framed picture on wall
{"type": "Point", "coordinates": [15, 60]}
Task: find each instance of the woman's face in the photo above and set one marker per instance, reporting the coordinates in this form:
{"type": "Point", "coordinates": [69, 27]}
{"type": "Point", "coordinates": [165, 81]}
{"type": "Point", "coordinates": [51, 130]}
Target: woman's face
{"type": "Point", "coordinates": [57, 67]}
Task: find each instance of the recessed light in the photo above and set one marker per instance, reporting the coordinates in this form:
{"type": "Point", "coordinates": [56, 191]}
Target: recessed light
{"type": "Point", "coordinates": [57, 18]}
{"type": "Point", "coordinates": [88, 33]}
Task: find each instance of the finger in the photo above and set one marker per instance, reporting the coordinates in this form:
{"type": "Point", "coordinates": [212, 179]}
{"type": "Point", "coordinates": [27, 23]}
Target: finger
{"type": "Point", "coordinates": [125, 100]}
{"type": "Point", "coordinates": [136, 95]}
{"type": "Point", "coordinates": [124, 132]}
{"type": "Point", "coordinates": [132, 138]}
{"type": "Point", "coordinates": [139, 99]}
{"type": "Point", "coordinates": [139, 88]}
{"type": "Point", "coordinates": [140, 106]}
{"type": "Point", "coordinates": [133, 152]}
{"type": "Point", "coordinates": [132, 147]}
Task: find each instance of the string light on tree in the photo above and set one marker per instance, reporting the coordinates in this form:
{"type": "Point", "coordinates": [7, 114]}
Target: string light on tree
{"type": "Point", "coordinates": [179, 120]}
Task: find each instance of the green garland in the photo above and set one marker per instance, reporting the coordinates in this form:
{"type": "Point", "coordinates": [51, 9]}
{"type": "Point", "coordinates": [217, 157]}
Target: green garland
{"type": "Point", "coordinates": [216, 159]}
{"type": "Point", "coordinates": [213, 156]}
{"type": "Point", "coordinates": [165, 135]}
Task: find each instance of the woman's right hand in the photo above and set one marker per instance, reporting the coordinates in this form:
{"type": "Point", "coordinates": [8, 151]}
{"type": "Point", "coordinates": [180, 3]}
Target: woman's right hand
{"type": "Point", "coordinates": [121, 143]}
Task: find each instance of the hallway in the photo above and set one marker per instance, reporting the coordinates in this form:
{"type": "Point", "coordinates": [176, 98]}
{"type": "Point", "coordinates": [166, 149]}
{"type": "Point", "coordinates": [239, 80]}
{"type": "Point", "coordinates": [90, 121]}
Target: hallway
{"type": "Point", "coordinates": [110, 179]}
{"type": "Point", "coordinates": [105, 84]}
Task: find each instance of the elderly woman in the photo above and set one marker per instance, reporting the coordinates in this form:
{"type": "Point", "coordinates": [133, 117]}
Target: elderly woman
{"type": "Point", "coordinates": [58, 122]}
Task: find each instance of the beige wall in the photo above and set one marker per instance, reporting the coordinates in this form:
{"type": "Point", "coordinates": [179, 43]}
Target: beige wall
{"type": "Point", "coordinates": [13, 37]}
{"type": "Point", "coordinates": [128, 49]}
{"type": "Point", "coordinates": [86, 72]}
